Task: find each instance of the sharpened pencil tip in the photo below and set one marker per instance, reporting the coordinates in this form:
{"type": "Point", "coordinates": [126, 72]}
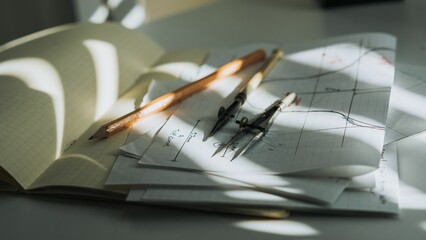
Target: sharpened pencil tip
{"type": "Point", "coordinates": [101, 133]}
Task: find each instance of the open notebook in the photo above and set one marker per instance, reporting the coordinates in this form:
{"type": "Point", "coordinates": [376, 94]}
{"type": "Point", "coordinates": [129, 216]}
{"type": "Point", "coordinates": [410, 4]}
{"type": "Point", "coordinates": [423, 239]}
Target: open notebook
{"type": "Point", "coordinates": [58, 87]}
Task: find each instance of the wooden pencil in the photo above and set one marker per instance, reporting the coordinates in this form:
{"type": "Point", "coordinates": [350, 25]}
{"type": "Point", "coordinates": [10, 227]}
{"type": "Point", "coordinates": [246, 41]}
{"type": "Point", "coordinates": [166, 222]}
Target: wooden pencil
{"type": "Point", "coordinates": [176, 96]}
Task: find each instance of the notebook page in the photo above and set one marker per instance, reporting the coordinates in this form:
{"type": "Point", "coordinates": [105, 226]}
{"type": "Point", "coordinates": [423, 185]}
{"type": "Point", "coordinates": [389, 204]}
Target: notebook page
{"type": "Point", "coordinates": [55, 86]}
{"type": "Point", "coordinates": [88, 163]}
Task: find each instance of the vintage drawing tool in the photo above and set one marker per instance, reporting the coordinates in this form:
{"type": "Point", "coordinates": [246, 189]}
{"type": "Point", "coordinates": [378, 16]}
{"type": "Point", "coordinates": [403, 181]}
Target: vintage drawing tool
{"type": "Point", "coordinates": [258, 126]}
{"type": "Point", "coordinates": [178, 95]}
{"type": "Point", "coordinates": [247, 87]}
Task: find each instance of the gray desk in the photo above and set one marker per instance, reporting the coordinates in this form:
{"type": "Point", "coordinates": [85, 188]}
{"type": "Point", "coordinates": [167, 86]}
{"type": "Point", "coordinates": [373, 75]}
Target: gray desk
{"type": "Point", "coordinates": [227, 24]}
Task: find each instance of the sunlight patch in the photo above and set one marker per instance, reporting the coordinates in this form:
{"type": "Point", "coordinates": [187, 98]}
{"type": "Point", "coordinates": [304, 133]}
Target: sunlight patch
{"type": "Point", "coordinates": [279, 227]}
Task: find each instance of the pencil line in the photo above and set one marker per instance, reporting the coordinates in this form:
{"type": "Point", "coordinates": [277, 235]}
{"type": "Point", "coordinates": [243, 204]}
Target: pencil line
{"type": "Point", "coordinates": [312, 99]}
{"type": "Point", "coordinates": [186, 140]}
{"type": "Point", "coordinates": [345, 116]}
{"type": "Point", "coordinates": [357, 92]}
{"type": "Point", "coordinates": [353, 93]}
{"type": "Point", "coordinates": [269, 80]}
{"type": "Point", "coordinates": [325, 129]}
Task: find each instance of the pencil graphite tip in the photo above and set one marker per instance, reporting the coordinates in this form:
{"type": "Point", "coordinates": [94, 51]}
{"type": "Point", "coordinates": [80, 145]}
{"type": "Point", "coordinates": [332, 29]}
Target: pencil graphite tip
{"type": "Point", "coordinates": [101, 133]}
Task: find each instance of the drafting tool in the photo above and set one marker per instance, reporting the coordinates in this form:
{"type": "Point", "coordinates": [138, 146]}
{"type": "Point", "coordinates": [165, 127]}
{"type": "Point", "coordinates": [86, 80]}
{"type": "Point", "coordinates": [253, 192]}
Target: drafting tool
{"type": "Point", "coordinates": [247, 87]}
{"type": "Point", "coordinates": [171, 98]}
{"type": "Point", "coordinates": [258, 126]}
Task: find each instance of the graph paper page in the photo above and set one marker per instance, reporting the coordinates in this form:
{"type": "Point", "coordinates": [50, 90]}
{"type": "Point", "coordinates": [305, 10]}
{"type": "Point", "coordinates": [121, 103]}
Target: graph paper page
{"type": "Point", "coordinates": [336, 126]}
{"type": "Point", "coordinates": [54, 87]}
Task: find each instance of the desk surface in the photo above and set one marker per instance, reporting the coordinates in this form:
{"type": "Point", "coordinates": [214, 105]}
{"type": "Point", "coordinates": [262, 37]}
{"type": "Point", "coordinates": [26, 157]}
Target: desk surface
{"type": "Point", "coordinates": [227, 24]}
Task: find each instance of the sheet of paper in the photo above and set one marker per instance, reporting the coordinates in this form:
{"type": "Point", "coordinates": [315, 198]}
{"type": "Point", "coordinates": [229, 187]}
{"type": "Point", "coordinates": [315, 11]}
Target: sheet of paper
{"type": "Point", "coordinates": [383, 198]}
{"type": "Point", "coordinates": [336, 127]}
{"type": "Point", "coordinates": [406, 108]}
{"type": "Point", "coordinates": [126, 171]}
{"type": "Point", "coordinates": [54, 86]}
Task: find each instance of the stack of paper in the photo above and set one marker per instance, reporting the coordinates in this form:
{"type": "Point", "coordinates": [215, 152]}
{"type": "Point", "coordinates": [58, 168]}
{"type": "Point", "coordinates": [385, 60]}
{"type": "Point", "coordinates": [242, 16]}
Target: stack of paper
{"type": "Point", "coordinates": [322, 154]}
